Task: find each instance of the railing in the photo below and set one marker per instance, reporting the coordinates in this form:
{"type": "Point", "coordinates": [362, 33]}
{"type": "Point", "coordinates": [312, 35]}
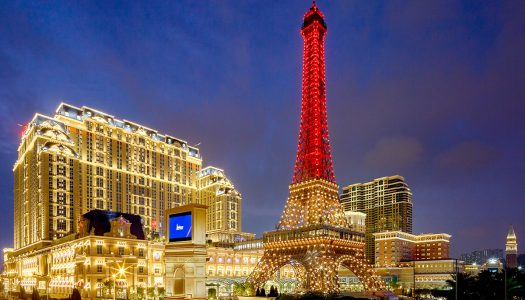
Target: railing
{"type": "Point", "coordinates": [313, 231]}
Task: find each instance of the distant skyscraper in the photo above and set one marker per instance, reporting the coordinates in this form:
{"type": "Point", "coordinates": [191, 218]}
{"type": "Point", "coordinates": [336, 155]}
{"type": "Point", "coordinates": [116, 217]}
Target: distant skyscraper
{"type": "Point", "coordinates": [481, 256]}
{"type": "Point", "coordinates": [511, 249]}
{"type": "Point", "coordinates": [82, 159]}
{"type": "Point", "coordinates": [387, 203]}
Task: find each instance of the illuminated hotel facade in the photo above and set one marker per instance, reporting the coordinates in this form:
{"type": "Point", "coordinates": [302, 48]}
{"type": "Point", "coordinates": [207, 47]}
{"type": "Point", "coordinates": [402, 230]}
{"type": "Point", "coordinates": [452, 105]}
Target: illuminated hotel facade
{"type": "Point", "coordinates": [224, 215]}
{"type": "Point", "coordinates": [91, 261]}
{"type": "Point", "coordinates": [387, 203]}
{"type": "Point", "coordinates": [422, 260]}
{"type": "Point", "coordinates": [394, 247]}
{"type": "Point", "coordinates": [82, 159]}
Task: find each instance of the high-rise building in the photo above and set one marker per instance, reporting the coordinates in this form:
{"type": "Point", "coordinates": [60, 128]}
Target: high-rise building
{"type": "Point", "coordinates": [223, 216]}
{"type": "Point", "coordinates": [82, 159]}
{"type": "Point", "coordinates": [387, 203]}
{"type": "Point", "coordinates": [511, 249]}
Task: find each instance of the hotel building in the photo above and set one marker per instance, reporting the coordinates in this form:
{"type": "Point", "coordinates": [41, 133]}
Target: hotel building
{"type": "Point", "coordinates": [223, 217]}
{"type": "Point", "coordinates": [82, 159]}
{"type": "Point", "coordinates": [394, 247]}
{"type": "Point", "coordinates": [81, 162]}
{"type": "Point", "coordinates": [110, 250]}
{"type": "Point", "coordinates": [387, 203]}
{"type": "Point", "coordinates": [411, 259]}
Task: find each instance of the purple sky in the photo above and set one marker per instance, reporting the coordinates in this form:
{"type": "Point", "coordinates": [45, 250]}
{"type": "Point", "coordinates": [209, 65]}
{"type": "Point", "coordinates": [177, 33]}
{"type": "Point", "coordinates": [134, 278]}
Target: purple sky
{"type": "Point", "coordinates": [431, 90]}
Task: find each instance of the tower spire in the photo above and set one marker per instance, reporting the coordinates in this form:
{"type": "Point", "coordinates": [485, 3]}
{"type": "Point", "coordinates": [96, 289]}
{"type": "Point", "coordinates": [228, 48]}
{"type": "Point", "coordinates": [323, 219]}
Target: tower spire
{"type": "Point", "coordinates": [313, 160]}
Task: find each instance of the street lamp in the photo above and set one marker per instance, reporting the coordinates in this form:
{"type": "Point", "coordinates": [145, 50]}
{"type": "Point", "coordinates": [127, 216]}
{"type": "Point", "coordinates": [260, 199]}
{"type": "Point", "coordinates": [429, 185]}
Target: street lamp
{"type": "Point", "coordinates": [119, 272]}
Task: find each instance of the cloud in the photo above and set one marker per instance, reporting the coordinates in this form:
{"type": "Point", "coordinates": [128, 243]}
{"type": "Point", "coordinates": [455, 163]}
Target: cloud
{"type": "Point", "coordinates": [394, 153]}
{"type": "Point", "coordinates": [466, 156]}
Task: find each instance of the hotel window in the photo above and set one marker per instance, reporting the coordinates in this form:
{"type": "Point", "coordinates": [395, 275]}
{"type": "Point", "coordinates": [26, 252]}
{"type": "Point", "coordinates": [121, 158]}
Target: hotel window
{"type": "Point", "coordinates": [99, 249]}
{"type": "Point", "coordinates": [120, 250]}
{"type": "Point", "coordinates": [141, 269]}
{"type": "Point", "coordinates": [99, 268]}
{"type": "Point", "coordinates": [141, 252]}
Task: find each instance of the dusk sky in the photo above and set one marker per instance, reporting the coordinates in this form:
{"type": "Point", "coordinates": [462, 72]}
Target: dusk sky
{"type": "Point", "coordinates": [430, 90]}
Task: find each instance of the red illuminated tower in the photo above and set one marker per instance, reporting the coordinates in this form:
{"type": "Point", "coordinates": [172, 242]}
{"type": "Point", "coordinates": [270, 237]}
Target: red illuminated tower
{"type": "Point", "coordinates": [313, 235]}
{"type": "Point", "coordinates": [314, 160]}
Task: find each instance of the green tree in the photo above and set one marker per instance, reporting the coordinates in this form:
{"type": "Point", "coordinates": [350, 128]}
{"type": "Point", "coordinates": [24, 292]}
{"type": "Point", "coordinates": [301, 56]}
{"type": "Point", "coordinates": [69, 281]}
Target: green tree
{"type": "Point", "coordinates": [140, 292]}
{"type": "Point", "coordinates": [150, 292]}
{"type": "Point", "coordinates": [243, 289]}
{"type": "Point", "coordinates": [515, 284]}
{"type": "Point", "coordinates": [249, 290]}
{"type": "Point", "coordinates": [489, 285]}
{"type": "Point", "coordinates": [107, 286]}
{"type": "Point", "coordinates": [161, 291]}
{"type": "Point", "coordinates": [466, 285]}
{"type": "Point", "coordinates": [238, 289]}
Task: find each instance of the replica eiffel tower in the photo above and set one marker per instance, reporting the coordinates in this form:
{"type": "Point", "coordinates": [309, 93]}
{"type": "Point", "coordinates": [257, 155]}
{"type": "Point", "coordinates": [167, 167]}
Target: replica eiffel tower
{"type": "Point", "coordinates": [313, 234]}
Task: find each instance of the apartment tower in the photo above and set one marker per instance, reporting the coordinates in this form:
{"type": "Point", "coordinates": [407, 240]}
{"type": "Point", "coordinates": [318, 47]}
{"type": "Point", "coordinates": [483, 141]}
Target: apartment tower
{"type": "Point", "coordinates": [387, 203]}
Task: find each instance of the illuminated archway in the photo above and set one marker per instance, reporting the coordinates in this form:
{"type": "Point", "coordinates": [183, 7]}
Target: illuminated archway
{"type": "Point", "coordinates": [178, 282]}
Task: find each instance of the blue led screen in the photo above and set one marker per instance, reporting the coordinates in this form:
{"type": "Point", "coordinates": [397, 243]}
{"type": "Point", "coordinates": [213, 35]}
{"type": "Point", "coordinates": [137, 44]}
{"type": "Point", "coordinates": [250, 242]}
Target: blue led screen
{"type": "Point", "coordinates": [180, 227]}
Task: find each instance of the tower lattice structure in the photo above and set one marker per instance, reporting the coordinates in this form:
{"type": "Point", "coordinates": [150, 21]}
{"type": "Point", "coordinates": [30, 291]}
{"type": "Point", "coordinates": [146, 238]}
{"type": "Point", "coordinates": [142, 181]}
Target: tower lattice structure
{"type": "Point", "coordinates": [313, 235]}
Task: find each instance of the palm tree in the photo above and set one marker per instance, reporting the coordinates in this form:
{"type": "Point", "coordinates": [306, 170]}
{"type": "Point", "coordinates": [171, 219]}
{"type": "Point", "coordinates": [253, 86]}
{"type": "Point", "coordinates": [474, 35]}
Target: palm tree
{"type": "Point", "coordinates": [515, 284]}
{"type": "Point", "coordinates": [140, 292]}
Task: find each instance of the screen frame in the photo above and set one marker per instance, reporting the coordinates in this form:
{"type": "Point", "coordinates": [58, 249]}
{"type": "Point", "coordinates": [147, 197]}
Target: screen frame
{"type": "Point", "coordinates": [181, 239]}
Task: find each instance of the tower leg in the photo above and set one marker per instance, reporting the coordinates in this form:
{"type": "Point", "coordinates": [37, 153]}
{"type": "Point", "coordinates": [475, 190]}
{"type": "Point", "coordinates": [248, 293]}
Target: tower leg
{"type": "Point", "coordinates": [266, 268]}
{"type": "Point", "coordinates": [321, 274]}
